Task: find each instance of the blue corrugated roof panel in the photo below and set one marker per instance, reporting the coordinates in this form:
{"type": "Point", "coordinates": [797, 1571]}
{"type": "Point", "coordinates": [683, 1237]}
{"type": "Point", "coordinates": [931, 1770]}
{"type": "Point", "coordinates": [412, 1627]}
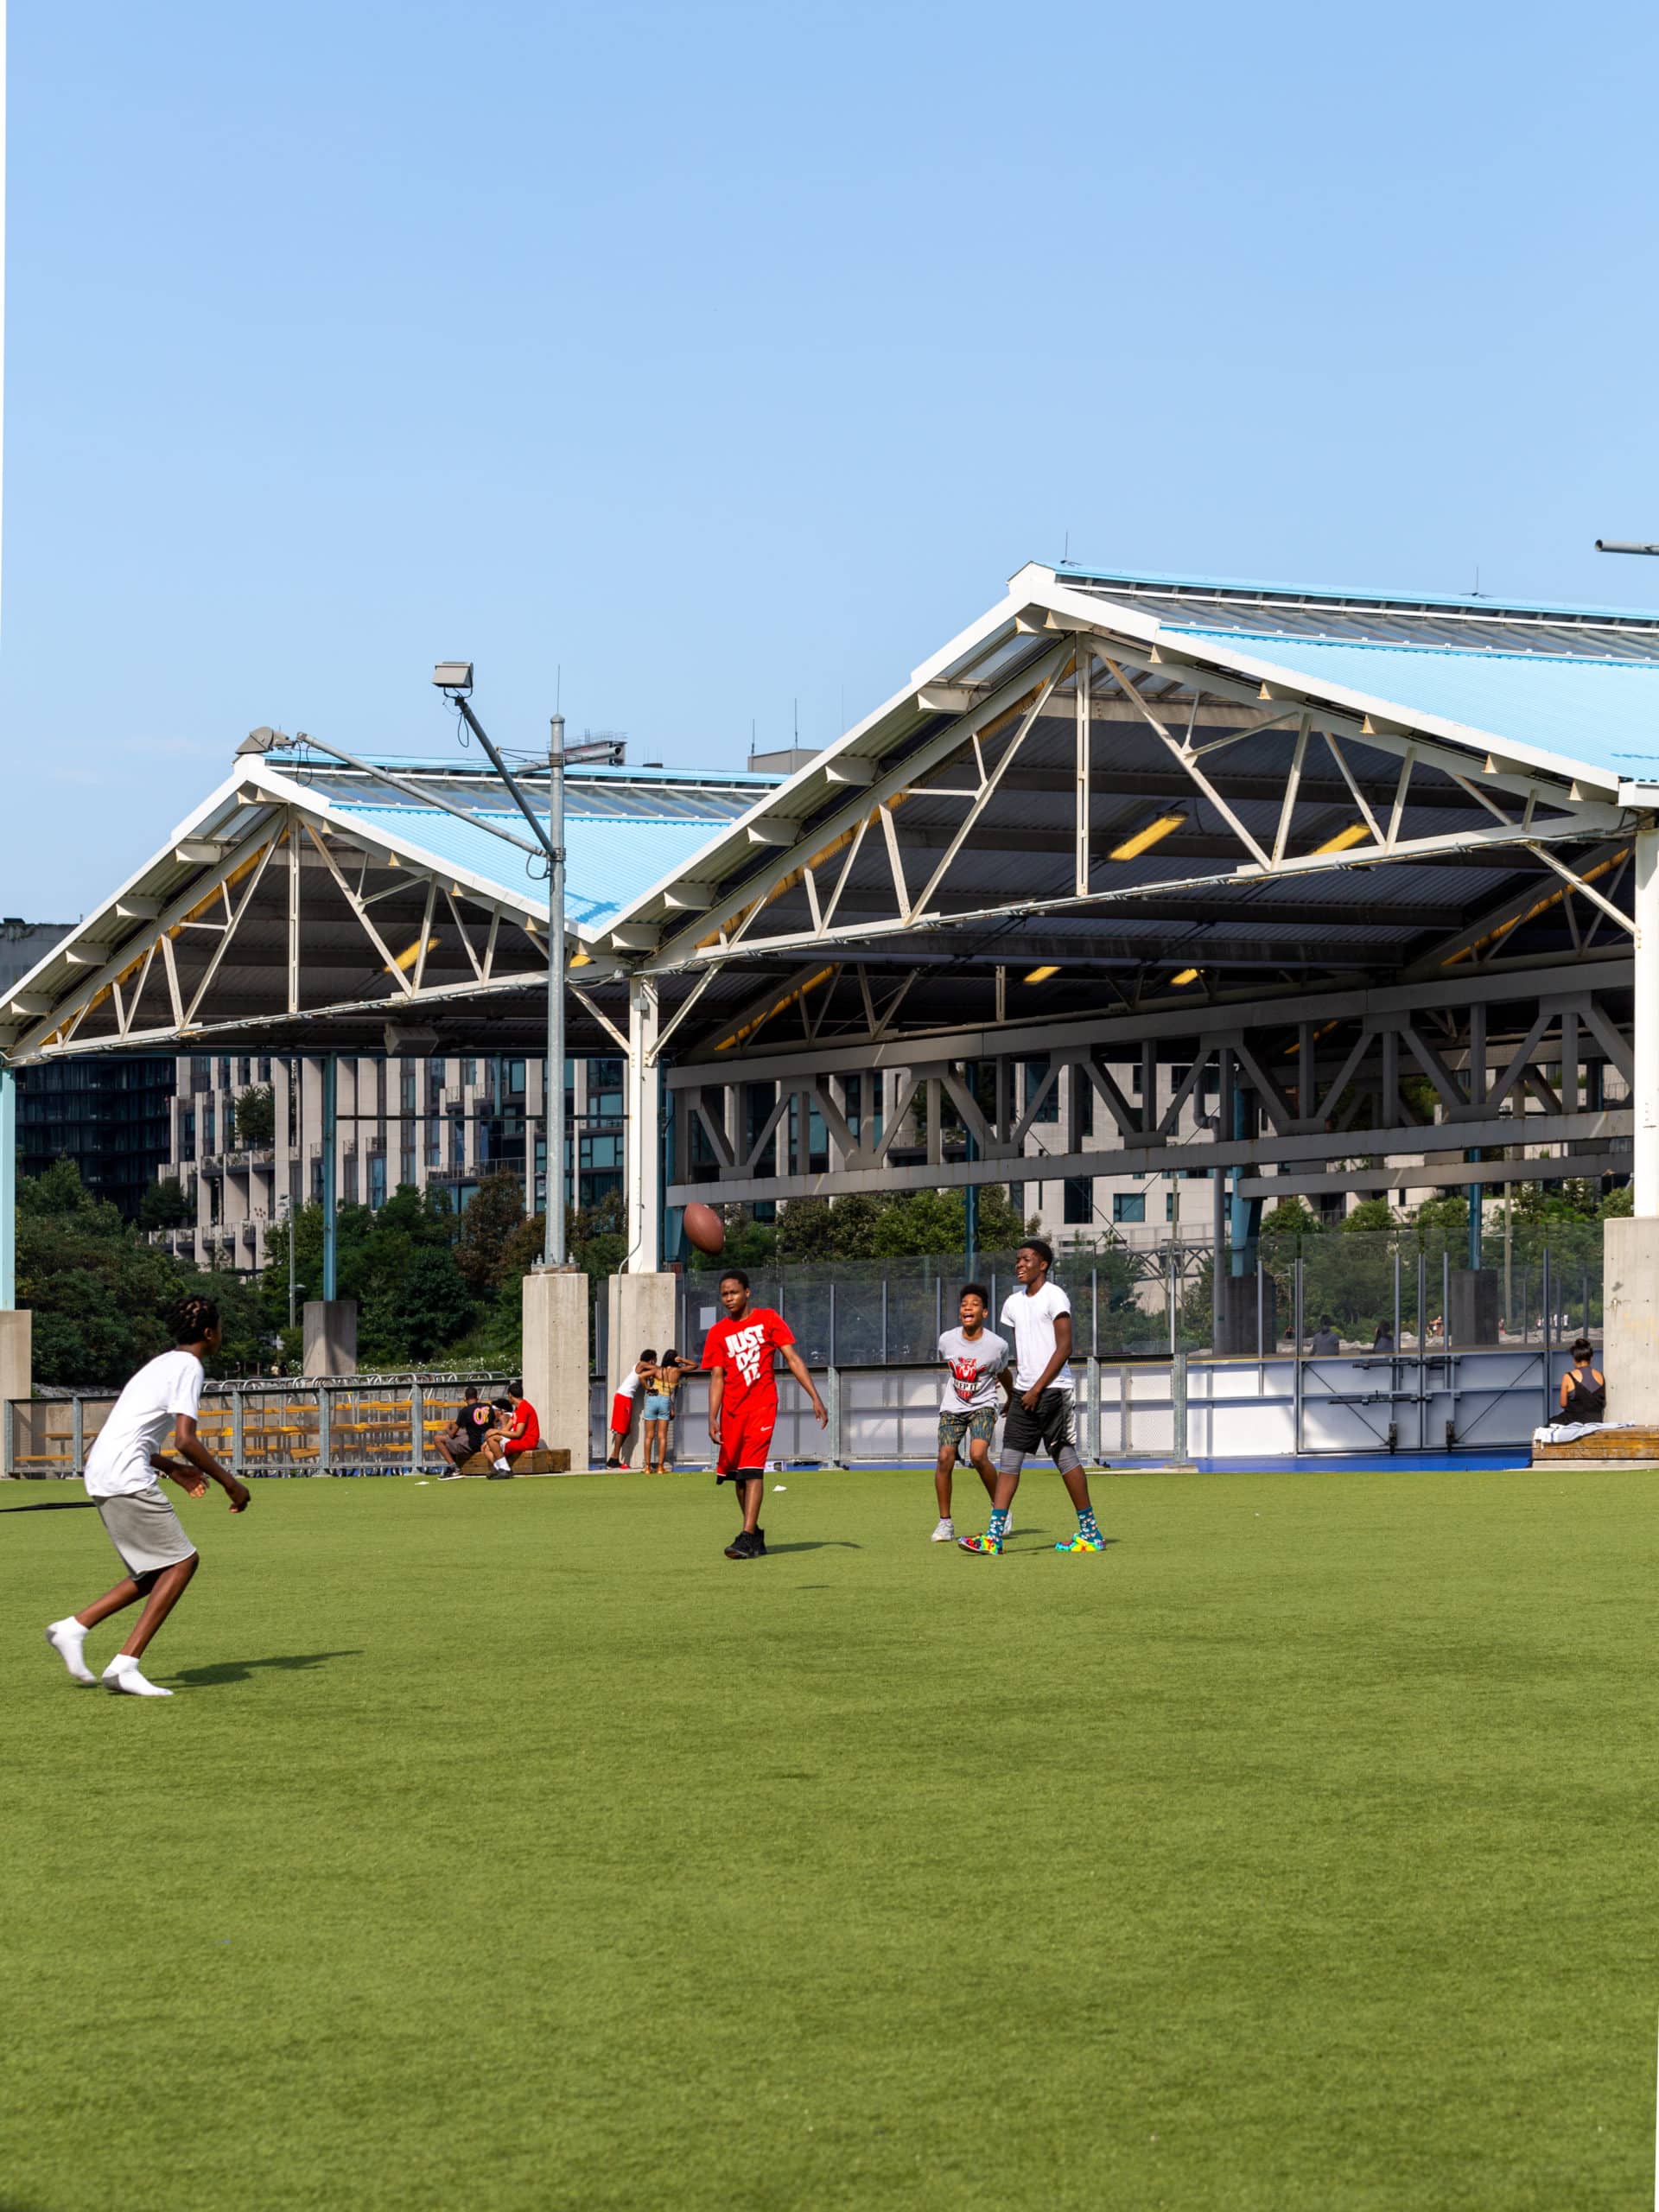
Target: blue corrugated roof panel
{"type": "Point", "coordinates": [611, 860]}
{"type": "Point", "coordinates": [1487, 604]}
{"type": "Point", "coordinates": [1604, 714]}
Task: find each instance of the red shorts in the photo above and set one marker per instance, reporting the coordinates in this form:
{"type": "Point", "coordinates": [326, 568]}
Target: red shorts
{"type": "Point", "coordinates": [745, 1439]}
{"type": "Point", "coordinates": [621, 1415]}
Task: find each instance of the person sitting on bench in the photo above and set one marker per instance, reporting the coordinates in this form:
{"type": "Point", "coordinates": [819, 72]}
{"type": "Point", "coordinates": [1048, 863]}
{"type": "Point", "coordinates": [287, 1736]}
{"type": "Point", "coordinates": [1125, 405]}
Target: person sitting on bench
{"type": "Point", "coordinates": [1584, 1388]}
{"type": "Point", "coordinates": [465, 1434]}
{"type": "Point", "coordinates": [522, 1433]}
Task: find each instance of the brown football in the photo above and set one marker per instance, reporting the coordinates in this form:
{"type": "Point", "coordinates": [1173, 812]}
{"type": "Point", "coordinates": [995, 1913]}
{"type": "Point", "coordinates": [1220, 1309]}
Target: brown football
{"type": "Point", "coordinates": [705, 1229]}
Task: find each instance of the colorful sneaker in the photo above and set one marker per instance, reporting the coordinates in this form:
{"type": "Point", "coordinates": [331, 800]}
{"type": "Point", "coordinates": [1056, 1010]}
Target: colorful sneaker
{"type": "Point", "coordinates": [989, 1544]}
{"type": "Point", "coordinates": [1082, 1543]}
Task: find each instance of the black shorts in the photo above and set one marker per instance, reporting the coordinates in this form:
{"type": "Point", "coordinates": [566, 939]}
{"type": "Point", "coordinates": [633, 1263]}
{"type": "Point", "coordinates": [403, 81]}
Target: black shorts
{"type": "Point", "coordinates": [1052, 1424]}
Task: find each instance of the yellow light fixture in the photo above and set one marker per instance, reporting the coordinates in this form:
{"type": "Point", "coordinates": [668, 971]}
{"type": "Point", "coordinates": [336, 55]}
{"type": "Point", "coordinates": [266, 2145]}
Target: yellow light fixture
{"type": "Point", "coordinates": [1186, 976]}
{"type": "Point", "coordinates": [580, 960]}
{"type": "Point", "coordinates": [1141, 840]}
{"type": "Point", "coordinates": [1042, 975]}
{"type": "Point", "coordinates": [1351, 836]}
{"type": "Point", "coordinates": [406, 960]}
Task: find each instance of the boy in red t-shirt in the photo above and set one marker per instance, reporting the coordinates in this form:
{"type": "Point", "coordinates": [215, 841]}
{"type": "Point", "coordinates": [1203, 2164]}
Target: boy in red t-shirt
{"type": "Point", "coordinates": [522, 1433]}
{"type": "Point", "coordinates": [739, 1355]}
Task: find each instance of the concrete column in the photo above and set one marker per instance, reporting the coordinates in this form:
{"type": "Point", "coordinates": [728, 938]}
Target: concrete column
{"type": "Point", "coordinates": [330, 1336]}
{"type": "Point", "coordinates": [1630, 1304]}
{"type": "Point", "coordinates": [643, 1146]}
{"type": "Point", "coordinates": [556, 1358]}
{"type": "Point", "coordinates": [640, 1311]}
{"type": "Point", "coordinates": [17, 1353]}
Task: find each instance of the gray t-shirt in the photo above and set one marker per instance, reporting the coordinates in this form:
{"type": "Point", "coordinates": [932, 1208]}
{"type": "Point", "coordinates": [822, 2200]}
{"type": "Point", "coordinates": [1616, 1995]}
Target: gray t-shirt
{"type": "Point", "coordinates": [975, 1363]}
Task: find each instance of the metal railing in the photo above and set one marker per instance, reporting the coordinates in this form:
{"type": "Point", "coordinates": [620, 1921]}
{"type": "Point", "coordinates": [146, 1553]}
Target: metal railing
{"type": "Point", "coordinates": [1420, 1401]}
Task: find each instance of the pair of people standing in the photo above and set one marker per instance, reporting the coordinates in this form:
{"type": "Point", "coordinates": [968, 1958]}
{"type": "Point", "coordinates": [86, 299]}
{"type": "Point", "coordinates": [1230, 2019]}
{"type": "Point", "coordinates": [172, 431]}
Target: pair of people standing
{"type": "Point", "coordinates": [659, 1379]}
{"type": "Point", "coordinates": [1041, 1396]}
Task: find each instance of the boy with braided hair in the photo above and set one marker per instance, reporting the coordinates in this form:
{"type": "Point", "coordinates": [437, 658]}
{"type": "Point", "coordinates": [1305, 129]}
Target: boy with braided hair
{"type": "Point", "coordinates": [120, 1477]}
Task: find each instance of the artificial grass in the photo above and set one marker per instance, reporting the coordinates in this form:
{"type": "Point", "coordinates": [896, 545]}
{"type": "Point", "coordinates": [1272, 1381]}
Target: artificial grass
{"type": "Point", "coordinates": [508, 1847]}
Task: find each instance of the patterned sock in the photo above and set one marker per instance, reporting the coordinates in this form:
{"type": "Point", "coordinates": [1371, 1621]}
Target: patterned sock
{"type": "Point", "coordinates": [1087, 1525]}
{"type": "Point", "coordinates": [999, 1526]}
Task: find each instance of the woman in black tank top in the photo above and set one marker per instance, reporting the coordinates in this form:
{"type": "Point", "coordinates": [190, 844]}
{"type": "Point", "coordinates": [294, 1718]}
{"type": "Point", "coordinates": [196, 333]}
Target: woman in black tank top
{"type": "Point", "coordinates": [1584, 1389]}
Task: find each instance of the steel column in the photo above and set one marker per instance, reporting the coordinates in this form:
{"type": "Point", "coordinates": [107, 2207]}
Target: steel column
{"type": "Point", "coordinates": [641, 1142]}
{"type": "Point", "coordinates": [330, 1142]}
{"type": "Point", "coordinates": [1645, 1087]}
{"type": "Point", "coordinates": [8, 1189]}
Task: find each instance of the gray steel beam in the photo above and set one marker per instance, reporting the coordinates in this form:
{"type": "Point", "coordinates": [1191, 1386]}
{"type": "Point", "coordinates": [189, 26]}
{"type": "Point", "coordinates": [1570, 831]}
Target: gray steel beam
{"type": "Point", "coordinates": [1155, 1158]}
{"type": "Point", "coordinates": [1119, 1032]}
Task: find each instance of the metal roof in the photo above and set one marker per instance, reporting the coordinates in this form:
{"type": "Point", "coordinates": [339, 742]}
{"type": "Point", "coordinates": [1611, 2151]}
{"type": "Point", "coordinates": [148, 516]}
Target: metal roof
{"type": "Point", "coordinates": [1598, 713]}
{"type": "Point", "coordinates": [906, 842]}
{"type": "Point", "coordinates": [612, 858]}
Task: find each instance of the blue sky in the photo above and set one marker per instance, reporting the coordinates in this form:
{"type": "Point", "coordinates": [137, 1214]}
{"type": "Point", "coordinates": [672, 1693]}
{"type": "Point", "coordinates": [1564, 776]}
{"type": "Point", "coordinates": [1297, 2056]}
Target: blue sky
{"type": "Point", "coordinates": [727, 355]}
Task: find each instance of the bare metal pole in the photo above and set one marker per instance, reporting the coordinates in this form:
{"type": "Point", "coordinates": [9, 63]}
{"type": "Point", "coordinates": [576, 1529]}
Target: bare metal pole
{"type": "Point", "coordinates": [553, 1251]}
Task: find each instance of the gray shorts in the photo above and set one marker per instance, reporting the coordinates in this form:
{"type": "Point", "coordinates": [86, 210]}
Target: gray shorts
{"type": "Point", "coordinates": [145, 1531]}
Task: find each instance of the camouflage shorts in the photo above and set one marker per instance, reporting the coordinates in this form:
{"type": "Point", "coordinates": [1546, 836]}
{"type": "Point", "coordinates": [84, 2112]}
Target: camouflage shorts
{"type": "Point", "coordinates": [954, 1426]}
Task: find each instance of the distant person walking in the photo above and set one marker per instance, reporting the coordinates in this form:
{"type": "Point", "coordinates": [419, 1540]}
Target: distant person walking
{"type": "Point", "coordinates": [120, 1477]}
{"type": "Point", "coordinates": [1584, 1388]}
{"type": "Point", "coordinates": [1325, 1339]}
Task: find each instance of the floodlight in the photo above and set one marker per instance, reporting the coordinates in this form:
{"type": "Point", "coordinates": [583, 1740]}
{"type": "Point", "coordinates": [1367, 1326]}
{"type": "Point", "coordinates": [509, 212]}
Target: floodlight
{"type": "Point", "coordinates": [1351, 836]}
{"type": "Point", "coordinates": [1042, 975]}
{"type": "Point", "coordinates": [454, 676]}
{"type": "Point", "coordinates": [1149, 834]}
{"type": "Point", "coordinates": [1186, 976]}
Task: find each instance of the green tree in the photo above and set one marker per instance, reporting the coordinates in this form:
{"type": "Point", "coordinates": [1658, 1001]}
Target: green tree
{"type": "Point", "coordinates": [255, 1113]}
{"type": "Point", "coordinates": [489, 1225]}
{"type": "Point", "coordinates": [164, 1205]}
{"type": "Point", "coordinates": [427, 1305]}
{"type": "Point", "coordinates": [102, 1298]}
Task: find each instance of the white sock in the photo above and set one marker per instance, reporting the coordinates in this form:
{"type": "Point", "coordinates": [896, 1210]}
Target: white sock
{"type": "Point", "coordinates": [68, 1639]}
{"type": "Point", "coordinates": [502, 1468]}
{"type": "Point", "coordinates": [121, 1674]}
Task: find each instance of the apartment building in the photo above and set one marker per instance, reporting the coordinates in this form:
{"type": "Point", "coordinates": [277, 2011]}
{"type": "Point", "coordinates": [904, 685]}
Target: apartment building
{"type": "Point", "coordinates": [440, 1124]}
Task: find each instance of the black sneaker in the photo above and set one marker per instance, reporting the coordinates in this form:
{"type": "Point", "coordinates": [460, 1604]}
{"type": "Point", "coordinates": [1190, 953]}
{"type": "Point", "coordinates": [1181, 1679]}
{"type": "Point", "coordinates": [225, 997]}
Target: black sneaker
{"type": "Point", "coordinates": [746, 1546]}
{"type": "Point", "coordinates": [759, 1543]}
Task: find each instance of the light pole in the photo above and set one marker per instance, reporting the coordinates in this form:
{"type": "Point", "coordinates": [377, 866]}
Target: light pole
{"type": "Point", "coordinates": [454, 679]}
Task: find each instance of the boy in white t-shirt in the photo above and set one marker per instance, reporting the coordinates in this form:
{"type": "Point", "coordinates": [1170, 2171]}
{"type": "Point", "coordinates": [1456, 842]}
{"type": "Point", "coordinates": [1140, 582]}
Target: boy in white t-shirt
{"type": "Point", "coordinates": [120, 1477]}
{"type": "Point", "coordinates": [970, 1401]}
{"type": "Point", "coordinates": [1043, 1407]}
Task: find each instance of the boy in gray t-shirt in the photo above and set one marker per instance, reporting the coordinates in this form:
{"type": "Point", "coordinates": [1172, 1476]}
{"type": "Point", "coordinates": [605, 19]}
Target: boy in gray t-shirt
{"type": "Point", "coordinates": [969, 1405]}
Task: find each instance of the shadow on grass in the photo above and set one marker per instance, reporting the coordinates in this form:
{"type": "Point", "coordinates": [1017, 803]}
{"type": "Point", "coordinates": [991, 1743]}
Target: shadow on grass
{"type": "Point", "coordinates": [243, 1670]}
{"type": "Point", "coordinates": [51, 1505]}
{"type": "Point", "coordinates": [828, 1544]}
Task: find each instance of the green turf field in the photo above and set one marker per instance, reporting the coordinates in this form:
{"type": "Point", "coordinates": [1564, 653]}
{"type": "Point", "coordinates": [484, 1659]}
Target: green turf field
{"type": "Point", "coordinates": [507, 1847]}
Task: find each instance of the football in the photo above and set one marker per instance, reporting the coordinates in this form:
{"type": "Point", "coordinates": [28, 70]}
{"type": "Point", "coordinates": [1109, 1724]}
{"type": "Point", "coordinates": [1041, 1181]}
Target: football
{"type": "Point", "coordinates": [705, 1229]}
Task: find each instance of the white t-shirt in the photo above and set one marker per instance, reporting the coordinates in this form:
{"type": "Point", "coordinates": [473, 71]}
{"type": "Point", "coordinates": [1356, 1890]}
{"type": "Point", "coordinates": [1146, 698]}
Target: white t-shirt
{"type": "Point", "coordinates": [629, 1384]}
{"type": "Point", "coordinates": [975, 1363]}
{"type": "Point", "coordinates": [1031, 1319]}
{"type": "Point", "coordinates": [118, 1463]}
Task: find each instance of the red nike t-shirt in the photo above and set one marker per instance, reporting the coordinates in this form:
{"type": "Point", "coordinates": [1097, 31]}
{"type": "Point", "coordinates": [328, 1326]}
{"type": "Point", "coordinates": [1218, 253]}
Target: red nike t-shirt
{"type": "Point", "coordinates": [525, 1433]}
{"type": "Point", "coordinates": [746, 1349]}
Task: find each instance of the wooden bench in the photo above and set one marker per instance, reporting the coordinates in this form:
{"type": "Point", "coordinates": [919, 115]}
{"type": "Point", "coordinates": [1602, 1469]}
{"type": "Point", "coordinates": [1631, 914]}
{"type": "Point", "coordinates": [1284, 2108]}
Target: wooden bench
{"type": "Point", "coordinates": [1606, 1447]}
{"type": "Point", "coordinates": [541, 1461]}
